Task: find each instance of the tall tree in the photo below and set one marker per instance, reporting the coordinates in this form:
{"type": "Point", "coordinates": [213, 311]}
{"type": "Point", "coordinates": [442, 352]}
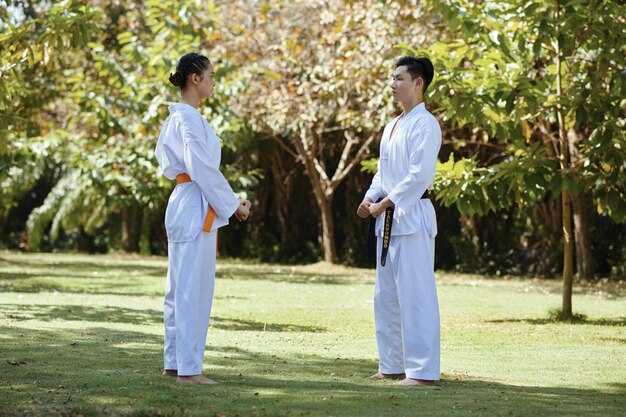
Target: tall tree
{"type": "Point", "coordinates": [35, 47]}
{"type": "Point", "coordinates": [545, 80]}
{"type": "Point", "coordinates": [104, 71]}
{"type": "Point", "coordinates": [317, 81]}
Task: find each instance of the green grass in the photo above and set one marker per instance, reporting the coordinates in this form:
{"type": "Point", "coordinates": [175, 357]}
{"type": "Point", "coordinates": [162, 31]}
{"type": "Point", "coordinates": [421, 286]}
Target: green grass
{"type": "Point", "coordinates": [83, 335]}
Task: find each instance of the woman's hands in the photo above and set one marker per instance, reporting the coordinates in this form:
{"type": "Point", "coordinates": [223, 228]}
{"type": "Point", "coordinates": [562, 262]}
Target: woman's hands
{"type": "Point", "coordinates": [243, 211]}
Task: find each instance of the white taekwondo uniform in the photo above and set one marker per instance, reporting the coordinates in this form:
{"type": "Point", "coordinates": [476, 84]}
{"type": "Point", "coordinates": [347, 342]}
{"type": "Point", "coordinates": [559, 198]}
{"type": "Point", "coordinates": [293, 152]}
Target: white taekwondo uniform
{"type": "Point", "coordinates": [188, 145]}
{"type": "Point", "coordinates": [405, 302]}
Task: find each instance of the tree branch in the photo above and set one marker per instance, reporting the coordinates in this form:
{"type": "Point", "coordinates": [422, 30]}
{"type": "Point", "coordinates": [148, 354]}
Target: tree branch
{"type": "Point", "coordinates": [340, 176]}
{"type": "Point", "coordinates": [345, 153]}
{"type": "Point", "coordinates": [285, 147]}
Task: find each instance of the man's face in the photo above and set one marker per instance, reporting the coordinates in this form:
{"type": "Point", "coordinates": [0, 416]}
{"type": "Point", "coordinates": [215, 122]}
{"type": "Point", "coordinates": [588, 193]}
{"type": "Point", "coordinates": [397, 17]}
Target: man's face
{"type": "Point", "coordinates": [403, 87]}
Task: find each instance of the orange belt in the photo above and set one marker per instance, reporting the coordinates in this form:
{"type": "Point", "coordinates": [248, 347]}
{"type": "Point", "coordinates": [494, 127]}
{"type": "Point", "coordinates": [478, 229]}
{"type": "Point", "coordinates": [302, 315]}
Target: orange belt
{"type": "Point", "coordinates": [210, 216]}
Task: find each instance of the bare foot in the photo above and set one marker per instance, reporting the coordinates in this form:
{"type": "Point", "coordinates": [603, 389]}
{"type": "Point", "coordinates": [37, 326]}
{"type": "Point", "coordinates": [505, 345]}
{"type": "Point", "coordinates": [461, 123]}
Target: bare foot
{"type": "Point", "coordinates": [380, 375]}
{"type": "Point", "coordinates": [195, 379]}
{"type": "Point", "coordinates": [170, 372]}
{"type": "Point", "coordinates": [410, 382]}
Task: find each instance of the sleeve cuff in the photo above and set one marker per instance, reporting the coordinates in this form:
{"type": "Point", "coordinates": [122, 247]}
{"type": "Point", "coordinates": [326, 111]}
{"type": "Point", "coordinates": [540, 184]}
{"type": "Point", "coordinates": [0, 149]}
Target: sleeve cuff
{"type": "Point", "coordinates": [234, 207]}
{"type": "Point", "coordinates": [374, 196]}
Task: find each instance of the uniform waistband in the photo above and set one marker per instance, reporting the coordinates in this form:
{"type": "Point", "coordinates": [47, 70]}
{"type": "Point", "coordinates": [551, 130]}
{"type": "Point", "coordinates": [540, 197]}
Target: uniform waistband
{"type": "Point", "coordinates": [210, 215]}
{"type": "Point", "coordinates": [181, 178]}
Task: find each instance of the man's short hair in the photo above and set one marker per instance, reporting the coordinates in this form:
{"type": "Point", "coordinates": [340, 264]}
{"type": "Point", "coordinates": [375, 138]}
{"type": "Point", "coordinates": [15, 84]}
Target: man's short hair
{"type": "Point", "coordinates": [418, 67]}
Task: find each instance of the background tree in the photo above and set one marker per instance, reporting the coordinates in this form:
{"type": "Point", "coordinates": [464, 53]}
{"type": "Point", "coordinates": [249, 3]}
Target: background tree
{"type": "Point", "coordinates": [35, 50]}
{"type": "Point", "coordinates": [317, 82]}
{"type": "Point", "coordinates": [545, 81]}
{"type": "Point", "coordinates": [302, 94]}
{"type": "Point", "coordinates": [109, 109]}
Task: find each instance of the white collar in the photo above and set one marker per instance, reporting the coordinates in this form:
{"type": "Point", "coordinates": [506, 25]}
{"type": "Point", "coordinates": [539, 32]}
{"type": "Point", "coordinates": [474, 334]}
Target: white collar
{"type": "Point", "coordinates": [180, 106]}
{"type": "Point", "coordinates": [415, 110]}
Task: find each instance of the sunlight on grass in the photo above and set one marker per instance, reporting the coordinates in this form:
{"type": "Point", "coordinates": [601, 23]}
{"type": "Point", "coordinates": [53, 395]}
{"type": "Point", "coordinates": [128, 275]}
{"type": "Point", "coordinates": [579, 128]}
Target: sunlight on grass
{"type": "Point", "coordinates": [83, 334]}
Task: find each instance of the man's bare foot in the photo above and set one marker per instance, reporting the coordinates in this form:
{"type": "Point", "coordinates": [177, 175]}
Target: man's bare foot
{"type": "Point", "coordinates": [195, 379]}
{"type": "Point", "coordinates": [410, 382]}
{"type": "Point", "coordinates": [170, 372]}
{"type": "Point", "coordinates": [380, 375]}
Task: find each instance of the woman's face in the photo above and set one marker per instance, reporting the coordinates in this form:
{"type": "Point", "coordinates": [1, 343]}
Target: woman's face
{"type": "Point", "coordinates": [206, 84]}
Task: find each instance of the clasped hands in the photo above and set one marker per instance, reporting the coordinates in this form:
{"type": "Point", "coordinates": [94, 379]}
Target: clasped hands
{"type": "Point", "coordinates": [369, 208]}
{"type": "Point", "coordinates": [243, 211]}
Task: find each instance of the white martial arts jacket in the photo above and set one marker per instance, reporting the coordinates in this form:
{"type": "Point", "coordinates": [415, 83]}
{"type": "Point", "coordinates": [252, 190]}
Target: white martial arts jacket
{"type": "Point", "coordinates": [406, 169]}
{"type": "Point", "coordinates": [187, 144]}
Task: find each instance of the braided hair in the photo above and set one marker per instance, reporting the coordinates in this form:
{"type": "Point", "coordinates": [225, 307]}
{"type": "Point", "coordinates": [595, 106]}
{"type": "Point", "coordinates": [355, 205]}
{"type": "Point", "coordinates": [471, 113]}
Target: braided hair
{"type": "Point", "coordinates": [418, 67]}
{"type": "Point", "coordinates": [188, 64]}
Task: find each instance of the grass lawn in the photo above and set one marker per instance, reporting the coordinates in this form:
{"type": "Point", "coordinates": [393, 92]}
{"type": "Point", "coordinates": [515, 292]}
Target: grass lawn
{"type": "Point", "coordinates": [82, 334]}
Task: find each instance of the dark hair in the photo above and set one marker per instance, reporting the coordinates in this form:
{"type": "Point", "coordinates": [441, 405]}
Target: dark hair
{"type": "Point", "coordinates": [418, 67]}
{"type": "Point", "coordinates": [188, 64]}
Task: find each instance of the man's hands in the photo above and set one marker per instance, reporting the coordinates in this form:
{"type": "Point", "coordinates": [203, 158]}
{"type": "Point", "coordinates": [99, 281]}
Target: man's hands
{"type": "Point", "coordinates": [243, 211]}
{"type": "Point", "coordinates": [364, 208]}
{"type": "Point", "coordinates": [369, 208]}
{"type": "Point", "coordinates": [377, 209]}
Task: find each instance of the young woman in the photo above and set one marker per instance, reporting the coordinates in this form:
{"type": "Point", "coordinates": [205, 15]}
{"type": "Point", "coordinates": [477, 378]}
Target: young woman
{"type": "Point", "coordinates": [189, 152]}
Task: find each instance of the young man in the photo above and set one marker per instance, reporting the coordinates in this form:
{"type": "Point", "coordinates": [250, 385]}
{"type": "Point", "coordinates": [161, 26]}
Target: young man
{"type": "Point", "coordinates": [405, 301]}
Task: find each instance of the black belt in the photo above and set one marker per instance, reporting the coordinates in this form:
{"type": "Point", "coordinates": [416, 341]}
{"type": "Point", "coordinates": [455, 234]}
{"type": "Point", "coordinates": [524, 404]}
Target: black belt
{"type": "Point", "coordinates": [386, 234]}
{"type": "Point", "coordinates": [370, 250]}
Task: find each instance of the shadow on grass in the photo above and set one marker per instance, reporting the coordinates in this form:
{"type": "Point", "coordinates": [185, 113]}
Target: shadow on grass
{"type": "Point", "coordinates": [258, 326]}
{"type": "Point", "coordinates": [103, 371]}
{"type": "Point", "coordinates": [608, 289]}
{"type": "Point", "coordinates": [104, 264]}
{"type": "Point", "coordinates": [621, 340]}
{"type": "Point", "coordinates": [123, 277]}
{"type": "Point", "coordinates": [44, 312]}
{"type": "Point", "coordinates": [289, 277]}
{"type": "Point", "coordinates": [618, 322]}
{"type": "Point", "coordinates": [72, 283]}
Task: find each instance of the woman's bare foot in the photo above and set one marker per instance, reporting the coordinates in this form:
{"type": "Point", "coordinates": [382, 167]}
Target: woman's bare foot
{"type": "Point", "coordinates": [410, 382]}
{"type": "Point", "coordinates": [195, 379]}
{"type": "Point", "coordinates": [170, 372]}
{"type": "Point", "coordinates": [380, 375]}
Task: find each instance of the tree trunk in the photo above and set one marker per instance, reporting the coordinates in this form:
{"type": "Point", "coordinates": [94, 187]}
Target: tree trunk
{"type": "Point", "coordinates": [324, 203]}
{"type": "Point", "coordinates": [547, 263]}
{"type": "Point", "coordinates": [328, 235]}
{"type": "Point", "coordinates": [568, 254]}
{"type": "Point", "coordinates": [584, 257]}
{"type": "Point", "coordinates": [144, 233]}
{"type": "Point", "coordinates": [568, 247]}
{"type": "Point", "coordinates": [323, 191]}
{"type": "Point", "coordinates": [127, 230]}
{"type": "Point", "coordinates": [582, 208]}
{"type": "Point", "coordinates": [309, 150]}
{"type": "Point", "coordinates": [281, 195]}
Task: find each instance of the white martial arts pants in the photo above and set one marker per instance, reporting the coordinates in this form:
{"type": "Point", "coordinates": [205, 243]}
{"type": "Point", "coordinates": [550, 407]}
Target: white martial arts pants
{"type": "Point", "coordinates": [406, 308]}
{"type": "Point", "coordinates": [188, 298]}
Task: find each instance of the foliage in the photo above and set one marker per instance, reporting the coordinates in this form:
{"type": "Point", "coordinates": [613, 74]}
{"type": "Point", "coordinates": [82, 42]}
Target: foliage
{"type": "Point", "coordinates": [107, 114]}
{"type": "Point", "coordinates": [497, 72]}
{"type": "Point", "coordinates": [301, 97]}
{"type": "Point", "coordinates": [322, 71]}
